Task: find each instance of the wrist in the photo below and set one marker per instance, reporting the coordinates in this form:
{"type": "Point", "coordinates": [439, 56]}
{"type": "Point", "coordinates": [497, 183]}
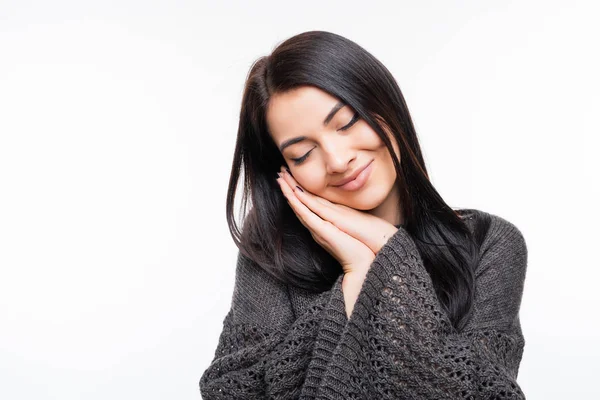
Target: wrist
{"type": "Point", "coordinates": [388, 234]}
{"type": "Point", "coordinates": [351, 287]}
{"type": "Point", "coordinates": [354, 279]}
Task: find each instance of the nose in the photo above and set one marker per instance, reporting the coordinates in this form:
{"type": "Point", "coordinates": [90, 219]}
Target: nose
{"type": "Point", "coordinates": [337, 156]}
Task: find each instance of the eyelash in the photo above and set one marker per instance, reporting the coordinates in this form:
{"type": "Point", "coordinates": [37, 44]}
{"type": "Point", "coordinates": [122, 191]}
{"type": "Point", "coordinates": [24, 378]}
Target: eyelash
{"type": "Point", "coordinates": [348, 126]}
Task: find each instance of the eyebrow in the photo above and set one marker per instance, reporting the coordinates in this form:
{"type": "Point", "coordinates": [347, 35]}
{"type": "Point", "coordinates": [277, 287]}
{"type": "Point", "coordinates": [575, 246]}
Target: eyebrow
{"type": "Point", "coordinates": [328, 118]}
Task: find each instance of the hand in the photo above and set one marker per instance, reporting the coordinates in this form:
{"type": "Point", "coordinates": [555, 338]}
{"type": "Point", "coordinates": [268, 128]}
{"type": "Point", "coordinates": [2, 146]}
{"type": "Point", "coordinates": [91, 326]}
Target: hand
{"type": "Point", "coordinates": [343, 231]}
{"type": "Point", "coordinates": [353, 255]}
{"type": "Point", "coordinates": [369, 229]}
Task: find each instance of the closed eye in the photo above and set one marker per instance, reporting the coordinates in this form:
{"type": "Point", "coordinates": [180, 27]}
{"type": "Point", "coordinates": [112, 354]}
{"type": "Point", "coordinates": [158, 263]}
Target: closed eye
{"type": "Point", "coordinates": [300, 160]}
{"type": "Point", "coordinates": [352, 122]}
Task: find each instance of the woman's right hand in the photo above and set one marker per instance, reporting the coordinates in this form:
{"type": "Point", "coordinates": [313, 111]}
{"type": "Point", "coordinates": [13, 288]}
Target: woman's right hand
{"type": "Point", "coordinates": [354, 256]}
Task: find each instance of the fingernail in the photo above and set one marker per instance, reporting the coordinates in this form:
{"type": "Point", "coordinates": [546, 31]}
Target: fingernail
{"type": "Point", "coordinates": [300, 188]}
{"type": "Point", "coordinates": [278, 175]}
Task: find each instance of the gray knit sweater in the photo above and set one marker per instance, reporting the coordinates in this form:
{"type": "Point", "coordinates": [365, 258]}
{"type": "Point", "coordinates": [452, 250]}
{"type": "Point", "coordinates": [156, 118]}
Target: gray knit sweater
{"type": "Point", "coordinates": [281, 342]}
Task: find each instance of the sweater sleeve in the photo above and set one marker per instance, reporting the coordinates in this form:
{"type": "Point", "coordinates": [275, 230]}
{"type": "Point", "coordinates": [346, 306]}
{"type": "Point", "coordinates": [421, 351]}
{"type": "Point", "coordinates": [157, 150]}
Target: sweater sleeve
{"type": "Point", "coordinates": [264, 349]}
{"type": "Point", "coordinates": [398, 343]}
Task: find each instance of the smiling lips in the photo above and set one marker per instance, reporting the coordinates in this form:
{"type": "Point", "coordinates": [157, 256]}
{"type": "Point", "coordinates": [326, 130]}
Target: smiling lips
{"type": "Point", "coordinates": [357, 181]}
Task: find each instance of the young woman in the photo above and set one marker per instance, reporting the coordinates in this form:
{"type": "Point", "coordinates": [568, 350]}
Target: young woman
{"type": "Point", "coordinates": [354, 279]}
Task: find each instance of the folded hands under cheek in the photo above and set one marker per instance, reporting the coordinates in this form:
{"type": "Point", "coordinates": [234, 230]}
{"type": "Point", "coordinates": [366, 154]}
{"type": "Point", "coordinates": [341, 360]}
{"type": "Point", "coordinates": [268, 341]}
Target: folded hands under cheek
{"type": "Point", "coordinates": [352, 236]}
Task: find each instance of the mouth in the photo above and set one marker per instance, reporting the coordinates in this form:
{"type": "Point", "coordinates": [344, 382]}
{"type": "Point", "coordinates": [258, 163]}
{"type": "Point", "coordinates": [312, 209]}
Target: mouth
{"type": "Point", "coordinates": [359, 180]}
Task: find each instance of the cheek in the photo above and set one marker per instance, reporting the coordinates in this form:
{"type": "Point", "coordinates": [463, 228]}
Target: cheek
{"type": "Point", "coordinates": [387, 172]}
{"type": "Point", "coordinates": [371, 141]}
{"type": "Point", "coordinates": [368, 139]}
{"type": "Point", "coordinates": [310, 179]}
{"type": "Point", "coordinates": [384, 153]}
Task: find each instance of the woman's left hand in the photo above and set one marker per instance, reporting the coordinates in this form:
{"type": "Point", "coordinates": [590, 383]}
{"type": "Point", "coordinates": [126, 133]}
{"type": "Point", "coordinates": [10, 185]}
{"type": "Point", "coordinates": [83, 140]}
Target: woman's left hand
{"type": "Point", "coordinates": [369, 229]}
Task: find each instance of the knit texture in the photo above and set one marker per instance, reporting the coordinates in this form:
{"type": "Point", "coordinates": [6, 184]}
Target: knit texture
{"type": "Point", "coordinates": [281, 342]}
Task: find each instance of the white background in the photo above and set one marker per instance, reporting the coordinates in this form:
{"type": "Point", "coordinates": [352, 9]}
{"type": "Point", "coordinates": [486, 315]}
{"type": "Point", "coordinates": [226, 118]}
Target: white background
{"type": "Point", "coordinates": [117, 128]}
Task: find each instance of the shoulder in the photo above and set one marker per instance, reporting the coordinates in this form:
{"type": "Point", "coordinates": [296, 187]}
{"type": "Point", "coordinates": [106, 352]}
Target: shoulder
{"type": "Point", "coordinates": [503, 232]}
{"type": "Point", "coordinates": [503, 244]}
{"type": "Point", "coordinates": [258, 297]}
{"type": "Point", "coordinates": [496, 227]}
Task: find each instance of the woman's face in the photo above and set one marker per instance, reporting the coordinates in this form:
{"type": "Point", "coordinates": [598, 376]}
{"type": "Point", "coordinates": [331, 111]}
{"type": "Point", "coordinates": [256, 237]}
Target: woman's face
{"type": "Point", "coordinates": [322, 149]}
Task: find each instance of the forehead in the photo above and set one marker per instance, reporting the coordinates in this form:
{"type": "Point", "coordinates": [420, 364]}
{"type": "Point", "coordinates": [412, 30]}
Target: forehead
{"type": "Point", "coordinates": [299, 111]}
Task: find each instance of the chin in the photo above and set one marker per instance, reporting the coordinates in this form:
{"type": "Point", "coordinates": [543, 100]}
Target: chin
{"type": "Point", "coordinates": [366, 199]}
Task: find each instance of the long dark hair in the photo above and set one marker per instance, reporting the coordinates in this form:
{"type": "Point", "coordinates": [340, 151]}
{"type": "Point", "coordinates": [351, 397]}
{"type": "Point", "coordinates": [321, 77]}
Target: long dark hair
{"type": "Point", "coordinates": [274, 238]}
